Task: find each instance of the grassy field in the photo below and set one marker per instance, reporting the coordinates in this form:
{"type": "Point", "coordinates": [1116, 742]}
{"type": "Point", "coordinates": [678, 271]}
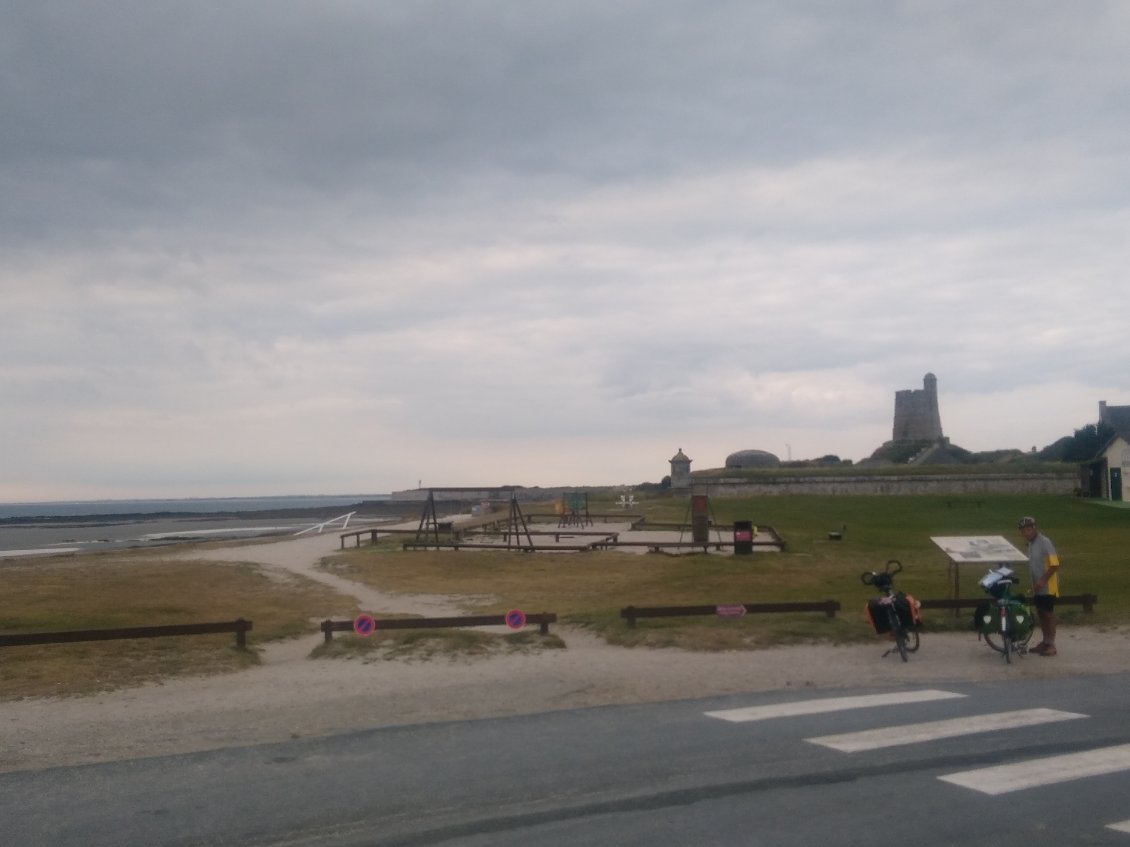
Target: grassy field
{"type": "Point", "coordinates": [591, 588]}
{"type": "Point", "coordinates": [134, 588]}
{"type": "Point", "coordinates": [139, 588]}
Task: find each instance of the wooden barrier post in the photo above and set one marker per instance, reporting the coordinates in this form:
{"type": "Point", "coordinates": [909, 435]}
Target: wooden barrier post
{"type": "Point", "coordinates": [241, 628]}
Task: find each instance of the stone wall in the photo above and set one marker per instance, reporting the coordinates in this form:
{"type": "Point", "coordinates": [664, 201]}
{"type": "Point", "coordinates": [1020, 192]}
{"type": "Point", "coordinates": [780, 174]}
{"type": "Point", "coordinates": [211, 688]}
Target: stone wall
{"type": "Point", "coordinates": [895, 484]}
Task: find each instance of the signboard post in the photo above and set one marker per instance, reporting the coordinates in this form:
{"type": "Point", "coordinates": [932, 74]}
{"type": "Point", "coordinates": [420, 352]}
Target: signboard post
{"type": "Point", "coordinates": [987, 550]}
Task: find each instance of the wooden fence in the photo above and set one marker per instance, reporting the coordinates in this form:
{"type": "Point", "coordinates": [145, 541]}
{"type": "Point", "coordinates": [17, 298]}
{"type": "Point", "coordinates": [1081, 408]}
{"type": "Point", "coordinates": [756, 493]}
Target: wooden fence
{"type": "Point", "coordinates": [543, 620]}
{"type": "Point", "coordinates": [240, 627]}
{"type": "Point", "coordinates": [829, 607]}
{"type": "Point", "coordinates": [1087, 601]}
{"type": "Point", "coordinates": [632, 613]}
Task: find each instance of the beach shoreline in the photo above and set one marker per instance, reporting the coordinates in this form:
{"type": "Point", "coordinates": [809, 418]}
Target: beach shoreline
{"type": "Point", "coordinates": [39, 535]}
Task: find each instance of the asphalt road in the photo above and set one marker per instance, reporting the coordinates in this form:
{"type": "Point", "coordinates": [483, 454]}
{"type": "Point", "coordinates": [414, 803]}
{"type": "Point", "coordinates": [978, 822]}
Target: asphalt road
{"type": "Point", "coordinates": [779, 768]}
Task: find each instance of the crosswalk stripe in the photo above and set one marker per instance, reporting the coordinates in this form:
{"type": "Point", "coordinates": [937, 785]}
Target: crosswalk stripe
{"type": "Point", "coordinates": [1121, 826]}
{"type": "Point", "coordinates": [894, 736]}
{"type": "Point", "coordinates": [831, 704]}
{"type": "Point", "coordinates": [1002, 779]}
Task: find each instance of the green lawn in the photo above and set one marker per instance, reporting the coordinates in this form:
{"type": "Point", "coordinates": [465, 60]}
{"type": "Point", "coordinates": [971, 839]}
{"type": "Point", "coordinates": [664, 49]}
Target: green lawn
{"type": "Point", "coordinates": [591, 588]}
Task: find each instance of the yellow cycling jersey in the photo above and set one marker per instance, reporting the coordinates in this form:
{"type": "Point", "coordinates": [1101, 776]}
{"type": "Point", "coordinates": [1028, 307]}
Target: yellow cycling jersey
{"type": "Point", "coordinates": [1042, 557]}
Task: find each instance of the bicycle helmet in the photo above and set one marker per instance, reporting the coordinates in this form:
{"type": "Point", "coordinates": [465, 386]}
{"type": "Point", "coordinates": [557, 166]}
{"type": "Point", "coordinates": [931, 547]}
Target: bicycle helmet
{"type": "Point", "coordinates": [1026, 521]}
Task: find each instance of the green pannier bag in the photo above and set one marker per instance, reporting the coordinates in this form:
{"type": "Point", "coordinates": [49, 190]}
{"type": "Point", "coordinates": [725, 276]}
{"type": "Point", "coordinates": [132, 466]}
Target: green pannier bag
{"type": "Point", "coordinates": [987, 619]}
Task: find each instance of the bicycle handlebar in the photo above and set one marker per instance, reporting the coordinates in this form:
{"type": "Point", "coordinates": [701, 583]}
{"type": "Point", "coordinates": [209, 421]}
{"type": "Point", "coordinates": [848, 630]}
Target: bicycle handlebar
{"type": "Point", "coordinates": [893, 567]}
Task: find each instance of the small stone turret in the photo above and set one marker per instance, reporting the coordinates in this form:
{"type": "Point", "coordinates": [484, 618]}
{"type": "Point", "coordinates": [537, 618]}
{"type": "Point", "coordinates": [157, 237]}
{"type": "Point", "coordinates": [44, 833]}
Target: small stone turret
{"type": "Point", "coordinates": [680, 470]}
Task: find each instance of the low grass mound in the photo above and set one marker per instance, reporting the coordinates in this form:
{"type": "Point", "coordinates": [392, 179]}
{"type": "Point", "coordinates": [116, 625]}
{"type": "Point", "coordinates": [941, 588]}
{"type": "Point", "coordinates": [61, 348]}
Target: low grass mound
{"type": "Point", "coordinates": [428, 644]}
{"type": "Point", "coordinates": [135, 588]}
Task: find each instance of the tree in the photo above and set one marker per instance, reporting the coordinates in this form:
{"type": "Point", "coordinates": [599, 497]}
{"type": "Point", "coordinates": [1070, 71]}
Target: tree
{"type": "Point", "coordinates": [1085, 444]}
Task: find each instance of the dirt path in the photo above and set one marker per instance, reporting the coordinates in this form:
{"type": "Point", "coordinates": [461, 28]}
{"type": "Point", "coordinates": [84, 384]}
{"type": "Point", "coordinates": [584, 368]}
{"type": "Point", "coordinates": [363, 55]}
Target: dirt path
{"type": "Point", "coordinates": [300, 556]}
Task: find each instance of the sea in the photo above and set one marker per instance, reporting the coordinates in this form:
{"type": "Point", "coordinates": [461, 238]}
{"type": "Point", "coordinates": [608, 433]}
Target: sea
{"type": "Point", "coordinates": [54, 528]}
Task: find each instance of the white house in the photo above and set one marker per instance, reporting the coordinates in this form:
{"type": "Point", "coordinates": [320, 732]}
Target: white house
{"type": "Point", "coordinates": [1103, 475]}
{"type": "Point", "coordinates": [1108, 469]}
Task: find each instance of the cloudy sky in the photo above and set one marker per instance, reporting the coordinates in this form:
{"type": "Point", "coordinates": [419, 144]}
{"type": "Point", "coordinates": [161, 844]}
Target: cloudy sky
{"type": "Point", "coordinates": [273, 247]}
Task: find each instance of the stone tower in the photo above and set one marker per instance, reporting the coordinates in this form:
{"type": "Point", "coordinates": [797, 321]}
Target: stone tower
{"type": "Point", "coordinates": [680, 470]}
{"type": "Point", "coordinates": [916, 413]}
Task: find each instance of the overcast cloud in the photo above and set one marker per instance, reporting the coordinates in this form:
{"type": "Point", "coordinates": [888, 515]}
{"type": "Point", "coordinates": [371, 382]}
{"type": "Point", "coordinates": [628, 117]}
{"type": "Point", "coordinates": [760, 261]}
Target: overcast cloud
{"type": "Point", "coordinates": [288, 247]}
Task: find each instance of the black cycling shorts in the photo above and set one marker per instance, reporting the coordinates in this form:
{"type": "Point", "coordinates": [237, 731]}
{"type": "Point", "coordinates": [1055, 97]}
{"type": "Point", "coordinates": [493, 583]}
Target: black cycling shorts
{"type": "Point", "coordinates": [1044, 602]}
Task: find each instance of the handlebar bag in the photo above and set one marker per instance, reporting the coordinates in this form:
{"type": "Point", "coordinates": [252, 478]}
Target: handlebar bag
{"type": "Point", "coordinates": [996, 582]}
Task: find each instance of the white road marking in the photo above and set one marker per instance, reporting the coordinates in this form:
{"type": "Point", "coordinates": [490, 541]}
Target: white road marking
{"type": "Point", "coordinates": [831, 704]}
{"type": "Point", "coordinates": [1032, 773]}
{"type": "Point", "coordinates": [893, 736]}
{"type": "Point", "coordinates": [1121, 826]}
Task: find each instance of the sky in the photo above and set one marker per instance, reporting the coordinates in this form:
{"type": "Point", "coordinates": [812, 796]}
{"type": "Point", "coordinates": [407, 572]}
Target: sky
{"type": "Point", "coordinates": [268, 247]}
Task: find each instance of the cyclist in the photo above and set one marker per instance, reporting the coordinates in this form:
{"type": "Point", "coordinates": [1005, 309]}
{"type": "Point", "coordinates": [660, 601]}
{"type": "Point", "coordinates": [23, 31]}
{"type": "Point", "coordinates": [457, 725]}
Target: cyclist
{"type": "Point", "coordinates": [1043, 568]}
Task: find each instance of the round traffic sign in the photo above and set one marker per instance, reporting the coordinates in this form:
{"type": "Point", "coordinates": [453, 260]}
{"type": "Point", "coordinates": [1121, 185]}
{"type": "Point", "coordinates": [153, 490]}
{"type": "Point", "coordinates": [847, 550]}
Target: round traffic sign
{"type": "Point", "coordinates": [515, 619]}
{"type": "Point", "coordinates": [364, 625]}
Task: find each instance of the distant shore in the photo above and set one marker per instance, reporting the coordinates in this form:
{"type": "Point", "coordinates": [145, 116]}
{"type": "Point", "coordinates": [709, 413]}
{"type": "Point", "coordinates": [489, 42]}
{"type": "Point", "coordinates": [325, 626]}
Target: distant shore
{"type": "Point", "coordinates": [60, 534]}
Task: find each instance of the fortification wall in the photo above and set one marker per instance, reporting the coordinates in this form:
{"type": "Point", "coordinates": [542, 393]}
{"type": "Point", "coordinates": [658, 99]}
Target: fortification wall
{"type": "Point", "coordinates": [894, 485]}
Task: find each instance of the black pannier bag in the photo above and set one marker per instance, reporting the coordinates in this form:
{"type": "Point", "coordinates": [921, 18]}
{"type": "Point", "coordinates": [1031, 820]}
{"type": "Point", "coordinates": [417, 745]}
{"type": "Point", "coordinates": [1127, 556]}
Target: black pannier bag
{"type": "Point", "coordinates": [906, 607]}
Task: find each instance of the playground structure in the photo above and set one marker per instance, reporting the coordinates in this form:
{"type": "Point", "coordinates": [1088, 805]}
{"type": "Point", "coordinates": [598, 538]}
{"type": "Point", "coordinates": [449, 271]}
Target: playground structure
{"type": "Point", "coordinates": [430, 525]}
{"type": "Point", "coordinates": [320, 527]}
{"type": "Point", "coordinates": [574, 508]}
{"type": "Point", "coordinates": [571, 527]}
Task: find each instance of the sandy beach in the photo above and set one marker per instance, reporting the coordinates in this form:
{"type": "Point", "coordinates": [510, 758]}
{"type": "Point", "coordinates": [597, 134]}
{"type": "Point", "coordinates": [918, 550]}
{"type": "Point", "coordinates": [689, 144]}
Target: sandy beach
{"type": "Point", "coordinates": [291, 696]}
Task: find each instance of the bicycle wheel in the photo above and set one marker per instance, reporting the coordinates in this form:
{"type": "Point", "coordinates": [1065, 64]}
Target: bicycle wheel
{"type": "Point", "coordinates": [993, 639]}
{"type": "Point", "coordinates": [900, 641]}
{"type": "Point", "coordinates": [911, 641]}
{"type": "Point", "coordinates": [1008, 643]}
{"type": "Point", "coordinates": [1000, 638]}
{"type": "Point", "coordinates": [898, 632]}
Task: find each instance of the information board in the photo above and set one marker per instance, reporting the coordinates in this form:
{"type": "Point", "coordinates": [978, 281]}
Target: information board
{"type": "Point", "coordinates": [981, 549]}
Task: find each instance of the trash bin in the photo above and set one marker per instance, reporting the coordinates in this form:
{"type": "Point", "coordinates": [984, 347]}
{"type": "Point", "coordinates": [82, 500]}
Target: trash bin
{"type": "Point", "coordinates": [743, 538]}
